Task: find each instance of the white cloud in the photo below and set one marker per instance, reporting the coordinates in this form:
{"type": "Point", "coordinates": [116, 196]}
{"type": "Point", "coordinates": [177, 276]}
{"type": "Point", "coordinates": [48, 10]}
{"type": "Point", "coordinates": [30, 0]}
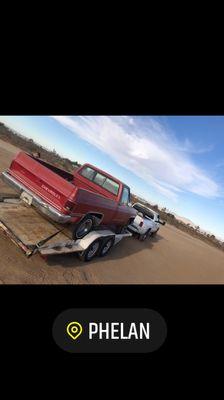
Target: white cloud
{"type": "Point", "coordinates": [188, 147]}
{"type": "Point", "coordinates": [147, 149]}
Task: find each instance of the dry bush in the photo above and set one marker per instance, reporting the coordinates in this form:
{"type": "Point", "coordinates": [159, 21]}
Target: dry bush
{"type": "Point", "coordinates": [30, 146]}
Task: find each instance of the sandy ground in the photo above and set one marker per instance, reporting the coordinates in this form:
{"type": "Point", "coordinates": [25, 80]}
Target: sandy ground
{"type": "Point", "coordinates": [171, 257]}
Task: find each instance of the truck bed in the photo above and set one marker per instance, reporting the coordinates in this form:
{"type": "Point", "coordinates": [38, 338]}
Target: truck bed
{"type": "Point", "coordinates": [50, 183]}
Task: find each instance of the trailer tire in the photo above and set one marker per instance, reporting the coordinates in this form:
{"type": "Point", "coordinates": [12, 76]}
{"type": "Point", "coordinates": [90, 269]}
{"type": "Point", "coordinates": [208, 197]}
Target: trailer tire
{"type": "Point", "coordinates": [83, 227]}
{"type": "Point", "coordinates": [106, 247]}
{"type": "Point", "coordinates": [91, 251]}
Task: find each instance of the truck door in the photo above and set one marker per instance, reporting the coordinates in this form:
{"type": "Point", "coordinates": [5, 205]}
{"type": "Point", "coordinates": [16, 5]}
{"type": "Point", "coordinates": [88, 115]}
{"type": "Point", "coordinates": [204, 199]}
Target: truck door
{"type": "Point", "coordinates": [123, 210]}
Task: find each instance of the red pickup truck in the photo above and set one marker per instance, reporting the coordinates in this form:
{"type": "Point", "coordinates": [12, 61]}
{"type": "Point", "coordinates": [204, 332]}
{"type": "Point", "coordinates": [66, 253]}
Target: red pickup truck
{"type": "Point", "coordinates": [86, 198]}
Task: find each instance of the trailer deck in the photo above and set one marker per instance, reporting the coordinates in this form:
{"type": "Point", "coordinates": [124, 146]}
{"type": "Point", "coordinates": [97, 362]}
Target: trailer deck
{"type": "Point", "coordinates": [33, 233]}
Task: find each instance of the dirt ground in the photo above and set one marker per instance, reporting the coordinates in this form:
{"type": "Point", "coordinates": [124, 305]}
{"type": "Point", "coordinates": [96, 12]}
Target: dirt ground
{"type": "Point", "coordinates": [171, 257]}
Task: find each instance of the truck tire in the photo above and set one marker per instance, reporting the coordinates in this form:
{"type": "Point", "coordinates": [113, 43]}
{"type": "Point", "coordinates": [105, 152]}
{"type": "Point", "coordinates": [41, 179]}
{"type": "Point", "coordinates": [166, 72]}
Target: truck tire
{"type": "Point", "coordinates": [154, 233]}
{"type": "Point", "coordinates": [144, 236]}
{"type": "Point", "coordinates": [106, 247]}
{"type": "Point", "coordinates": [121, 229]}
{"type": "Point", "coordinates": [83, 227]}
{"type": "Point", "coordinates": [90, 252]}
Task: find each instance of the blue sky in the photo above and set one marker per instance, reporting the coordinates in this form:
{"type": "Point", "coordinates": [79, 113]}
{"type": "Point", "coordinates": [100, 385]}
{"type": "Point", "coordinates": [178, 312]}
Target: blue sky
{"type": "Point", "coordinates": [177, 162]}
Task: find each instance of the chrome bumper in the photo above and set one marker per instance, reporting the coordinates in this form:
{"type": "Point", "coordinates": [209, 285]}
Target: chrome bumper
{"type": "Point", "coordinates": [43, 207]}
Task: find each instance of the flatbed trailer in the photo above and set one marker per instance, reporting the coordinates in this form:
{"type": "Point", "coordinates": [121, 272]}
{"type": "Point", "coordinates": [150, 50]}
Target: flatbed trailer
{"type": "Point", "coordinates": [33, 233]}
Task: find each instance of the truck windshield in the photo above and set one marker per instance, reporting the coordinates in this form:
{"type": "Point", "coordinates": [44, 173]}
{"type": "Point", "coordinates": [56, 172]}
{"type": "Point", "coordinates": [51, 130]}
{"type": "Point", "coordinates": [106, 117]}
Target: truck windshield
{"type": "Point", "coordinates": [144, 211]}
{"type": "Point", "coordinates": [100, 180]}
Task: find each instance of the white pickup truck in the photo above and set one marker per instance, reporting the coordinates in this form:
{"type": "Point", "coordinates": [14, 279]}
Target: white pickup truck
{"type": "Point", "coordinates": [147, 222]}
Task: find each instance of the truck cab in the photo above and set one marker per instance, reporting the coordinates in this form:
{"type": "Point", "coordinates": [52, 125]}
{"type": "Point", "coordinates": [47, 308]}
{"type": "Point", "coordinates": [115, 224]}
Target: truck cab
{"type": "Point", "coordinates": [93, 179]}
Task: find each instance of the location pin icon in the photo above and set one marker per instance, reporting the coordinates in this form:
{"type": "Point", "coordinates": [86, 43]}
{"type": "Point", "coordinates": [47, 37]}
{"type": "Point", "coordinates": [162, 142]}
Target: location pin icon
{"type": "Point", "coordinates": [74, 330]}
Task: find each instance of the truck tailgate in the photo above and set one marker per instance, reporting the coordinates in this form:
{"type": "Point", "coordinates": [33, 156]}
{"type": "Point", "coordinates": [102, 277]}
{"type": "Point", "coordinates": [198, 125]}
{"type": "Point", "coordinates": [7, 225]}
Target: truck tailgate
{"type": "Point", "coordinates": [48, 185]}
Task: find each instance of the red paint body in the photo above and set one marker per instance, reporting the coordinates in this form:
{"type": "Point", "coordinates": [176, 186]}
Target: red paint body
{"type": "Point", "coordinates": [61, 190]}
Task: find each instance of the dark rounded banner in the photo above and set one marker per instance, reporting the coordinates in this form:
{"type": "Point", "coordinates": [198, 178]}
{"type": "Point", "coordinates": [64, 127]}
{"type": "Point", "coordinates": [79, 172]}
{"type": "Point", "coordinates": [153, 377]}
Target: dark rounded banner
{"type": "Point", "coordinates": [109, 330]}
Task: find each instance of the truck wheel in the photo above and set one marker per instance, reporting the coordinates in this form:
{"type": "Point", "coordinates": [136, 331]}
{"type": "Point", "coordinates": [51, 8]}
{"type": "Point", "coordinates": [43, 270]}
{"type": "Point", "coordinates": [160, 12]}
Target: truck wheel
{"type": "Point", "coordinates": [121, 229]}
{"type": "Point", "coordinates": [83, 228]}
{"type": "Point", "coordinates": [90, 252]}
{"type": "Point", "coordinates": [154, 233]}
{"type": "Point", "coordinates": [106, 247]}
{"type": "Point", "coordinates": [144, 236]}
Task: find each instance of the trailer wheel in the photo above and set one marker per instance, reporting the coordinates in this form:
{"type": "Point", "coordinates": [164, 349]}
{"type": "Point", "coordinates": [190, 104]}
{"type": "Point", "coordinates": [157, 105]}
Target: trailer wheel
{"type": "Point", "coordinates": [106, 247]}
{"type": "Point", "coordinates": [90, 252]}
{"type": "Point", "coordinates": [83, 228]}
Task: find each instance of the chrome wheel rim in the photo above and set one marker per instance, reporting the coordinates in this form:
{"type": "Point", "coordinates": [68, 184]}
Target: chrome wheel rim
{"type": "Point", "coordinates": [84, 228]}
{"type": "Point", "coordinates": [93, 249]}
{"type": "Point", "coordinates": [106, 247]}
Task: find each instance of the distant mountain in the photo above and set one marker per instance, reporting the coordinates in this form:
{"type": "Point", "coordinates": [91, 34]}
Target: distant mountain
{"type": "Point", "coordinates": [185, 220]}
{"type": "Point", "coordinates": [191, 223]}
{"type": "Point", "coordinates": [202, 231]}
{"type": "Point", "coordinates": [219, 238]}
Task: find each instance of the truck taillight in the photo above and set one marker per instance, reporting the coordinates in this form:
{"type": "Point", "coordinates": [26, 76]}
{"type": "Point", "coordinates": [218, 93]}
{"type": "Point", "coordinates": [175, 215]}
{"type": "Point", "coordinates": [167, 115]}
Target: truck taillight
{"type": "Point", "coordinates": [69, 205]}
{"type": "Point", "coordinates": [141, 224]}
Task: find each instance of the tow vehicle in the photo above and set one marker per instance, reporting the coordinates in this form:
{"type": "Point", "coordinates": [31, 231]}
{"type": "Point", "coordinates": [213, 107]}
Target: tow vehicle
{"type": "Point", "coordinates": [34, 233]}
{"type": "Point", "coordinates": [146, 223]}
